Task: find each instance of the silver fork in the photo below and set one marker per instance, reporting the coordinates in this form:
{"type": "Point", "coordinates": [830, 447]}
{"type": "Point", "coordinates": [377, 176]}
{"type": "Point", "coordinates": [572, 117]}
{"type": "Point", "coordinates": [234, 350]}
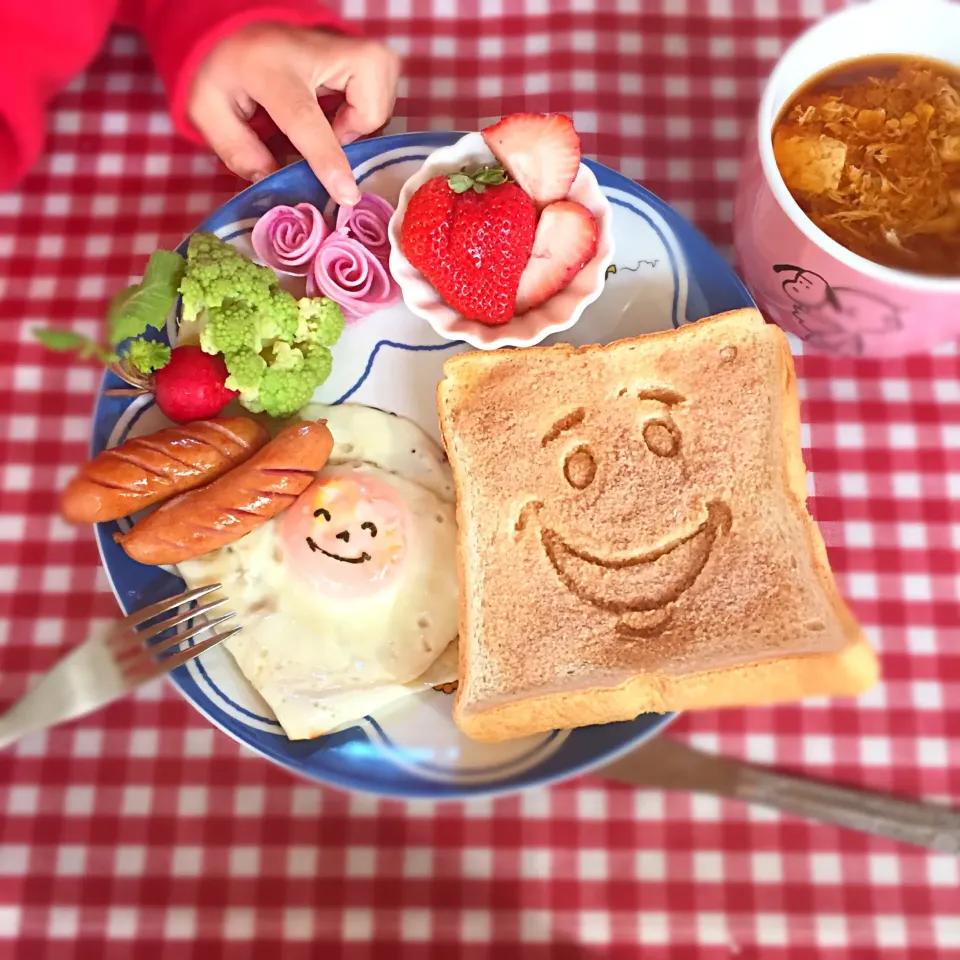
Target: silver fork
{"type": "Point", "coordinates": [105, 668]}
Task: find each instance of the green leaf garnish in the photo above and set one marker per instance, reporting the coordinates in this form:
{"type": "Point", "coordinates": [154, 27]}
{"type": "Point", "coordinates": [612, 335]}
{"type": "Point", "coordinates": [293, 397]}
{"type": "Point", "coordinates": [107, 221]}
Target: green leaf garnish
{"type": "Point", "coordinates": [68, 341]}
{"type": "Point", "coordinates": [146, 304]}
{"type": "Point", "coordinates": [148, 356]}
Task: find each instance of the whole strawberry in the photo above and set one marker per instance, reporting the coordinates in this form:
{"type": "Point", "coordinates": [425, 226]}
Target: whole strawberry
{"type": "Point", "coordinates": [471, 235]}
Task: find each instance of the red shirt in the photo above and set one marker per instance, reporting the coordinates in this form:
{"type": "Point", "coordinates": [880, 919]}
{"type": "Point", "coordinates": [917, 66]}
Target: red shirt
{"type": "Point", "coordinates": [43, 45]}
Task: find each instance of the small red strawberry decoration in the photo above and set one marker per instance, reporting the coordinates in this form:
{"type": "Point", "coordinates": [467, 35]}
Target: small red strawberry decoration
{"type": "Point", "coordinates": [471, 235]}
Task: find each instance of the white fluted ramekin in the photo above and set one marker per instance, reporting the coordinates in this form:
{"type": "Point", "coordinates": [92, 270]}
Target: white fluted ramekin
{"type": "Point", "coordinates": [555, 315]}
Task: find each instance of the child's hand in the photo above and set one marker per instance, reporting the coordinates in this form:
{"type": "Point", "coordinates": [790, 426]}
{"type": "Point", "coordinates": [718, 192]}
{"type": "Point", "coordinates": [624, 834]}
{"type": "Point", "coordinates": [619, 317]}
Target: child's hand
{"type": "Point", "coordinates": [284, 69]}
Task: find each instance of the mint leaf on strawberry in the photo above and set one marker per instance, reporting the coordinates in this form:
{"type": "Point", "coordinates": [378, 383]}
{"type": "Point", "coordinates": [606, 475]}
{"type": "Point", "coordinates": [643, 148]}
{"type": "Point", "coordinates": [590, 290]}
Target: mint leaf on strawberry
{"type": "Point", "coordinates": [69, 341]}
{"type": "Point", "coordinates": [146, 304]}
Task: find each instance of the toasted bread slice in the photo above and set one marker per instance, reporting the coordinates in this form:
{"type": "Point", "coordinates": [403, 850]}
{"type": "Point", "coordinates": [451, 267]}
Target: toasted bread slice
{"type": "Point", "coordinates": [634, 535]}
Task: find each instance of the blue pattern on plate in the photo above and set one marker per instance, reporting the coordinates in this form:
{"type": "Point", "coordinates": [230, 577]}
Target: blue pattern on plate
{"type": "Point", "coordinates": [409, 347]}
{"type": "Point", "coordinates": [351, 758]}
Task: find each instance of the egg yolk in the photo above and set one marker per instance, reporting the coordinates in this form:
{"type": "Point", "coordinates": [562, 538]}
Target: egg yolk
{"type": "Point", "coordinates": [347, 535]}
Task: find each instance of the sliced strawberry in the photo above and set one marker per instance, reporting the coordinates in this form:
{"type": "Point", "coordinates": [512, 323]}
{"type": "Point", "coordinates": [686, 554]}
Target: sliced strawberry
{"type": "Point", "coordinates": [540, 151]}
{"type": "Point", "coordinates": [565, 241]}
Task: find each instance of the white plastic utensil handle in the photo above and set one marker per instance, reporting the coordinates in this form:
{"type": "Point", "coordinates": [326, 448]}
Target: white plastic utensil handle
{"type": "Point", "coordinates": [85, 679]}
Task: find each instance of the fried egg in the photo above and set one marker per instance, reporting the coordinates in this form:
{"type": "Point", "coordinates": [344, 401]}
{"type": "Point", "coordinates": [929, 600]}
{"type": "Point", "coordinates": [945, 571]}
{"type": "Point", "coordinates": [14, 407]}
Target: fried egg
{"type": "Point", "coordinates": [390, 442]}
{"type": "Point", "coordinates": [349, 599]}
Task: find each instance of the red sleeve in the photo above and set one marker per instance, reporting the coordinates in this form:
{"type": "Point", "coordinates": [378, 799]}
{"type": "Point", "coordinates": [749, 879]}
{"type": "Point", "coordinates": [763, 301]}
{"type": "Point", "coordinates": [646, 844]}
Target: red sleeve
{"type": "Point", "coordinates": [181, 33]}
{"type": "Point", "coordinates": [42, 47]}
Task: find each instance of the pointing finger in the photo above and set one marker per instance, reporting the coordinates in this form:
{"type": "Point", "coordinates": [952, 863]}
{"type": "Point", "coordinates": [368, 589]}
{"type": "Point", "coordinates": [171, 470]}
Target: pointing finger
{"type": "Point", "coordinates": [295, 110]}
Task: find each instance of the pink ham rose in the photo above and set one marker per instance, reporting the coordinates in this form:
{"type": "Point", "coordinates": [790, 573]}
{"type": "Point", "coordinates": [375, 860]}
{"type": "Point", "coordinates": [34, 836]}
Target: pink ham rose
{"type": "Point", "coordinates": [367, 222]}
{"type": "Point", "coordinates": [349, 274]}
{"type": "Point", "coordinates": [287, 239]}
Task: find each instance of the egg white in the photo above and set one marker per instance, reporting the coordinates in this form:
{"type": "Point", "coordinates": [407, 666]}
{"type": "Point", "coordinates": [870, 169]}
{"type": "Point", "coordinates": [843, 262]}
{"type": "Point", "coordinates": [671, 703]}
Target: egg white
{"type": "Point", "coordinates": [323, 661]}
{"type": "Point", "coordinates": [390, 442]}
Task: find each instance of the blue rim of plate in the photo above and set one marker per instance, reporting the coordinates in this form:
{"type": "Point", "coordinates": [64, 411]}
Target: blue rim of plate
{"type": "Point", "coordinates": [348, 759]}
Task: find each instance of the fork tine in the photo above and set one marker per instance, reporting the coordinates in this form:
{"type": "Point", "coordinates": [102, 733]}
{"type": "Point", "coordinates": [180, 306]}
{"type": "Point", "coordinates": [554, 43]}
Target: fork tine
{"type": "Point", "coordinates": [165, 625]}
{"type": "Point", "coordinates": [171, 662]}
{"type": "Point", "coordinates": [159, 648]}
{"type": "Point", "coordinates": [139, 617]}
{"type": "Point", "coordinates": [166, 664]}
{"type": "Point", "coordinates": [130, 643]}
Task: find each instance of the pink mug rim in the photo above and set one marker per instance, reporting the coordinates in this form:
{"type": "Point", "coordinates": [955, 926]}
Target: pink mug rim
{"type": "Point", "coordinates": [920, 282]}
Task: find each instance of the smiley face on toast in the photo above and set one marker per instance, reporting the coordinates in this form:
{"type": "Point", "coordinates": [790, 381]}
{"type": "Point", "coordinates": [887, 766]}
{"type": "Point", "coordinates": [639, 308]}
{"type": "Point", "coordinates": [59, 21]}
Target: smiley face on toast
{"type": "Point", "coordinates": [638, 583]}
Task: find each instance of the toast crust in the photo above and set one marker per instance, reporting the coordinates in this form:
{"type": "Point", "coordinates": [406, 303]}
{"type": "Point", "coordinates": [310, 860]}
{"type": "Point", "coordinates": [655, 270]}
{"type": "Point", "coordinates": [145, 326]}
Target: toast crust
{"type": "Point", "coordinates": [848, 673]}
{"type": "Point", "coordinates": [845, 668]}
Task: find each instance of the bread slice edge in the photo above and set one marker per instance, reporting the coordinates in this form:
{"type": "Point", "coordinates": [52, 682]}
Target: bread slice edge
{"type": "Point", "coordinates": [847, 673]}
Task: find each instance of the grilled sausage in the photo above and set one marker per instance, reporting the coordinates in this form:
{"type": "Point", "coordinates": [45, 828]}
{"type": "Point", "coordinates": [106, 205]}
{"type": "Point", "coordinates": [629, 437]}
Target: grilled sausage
{"type": "Point", "coordinates": [146, 470]}
{"type": "Point", "coordinates": [202, 520]}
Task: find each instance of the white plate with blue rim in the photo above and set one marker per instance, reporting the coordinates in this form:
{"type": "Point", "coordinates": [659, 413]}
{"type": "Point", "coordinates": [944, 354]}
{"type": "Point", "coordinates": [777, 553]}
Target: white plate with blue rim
{"type": "Point", "coordinates": [664, 274]}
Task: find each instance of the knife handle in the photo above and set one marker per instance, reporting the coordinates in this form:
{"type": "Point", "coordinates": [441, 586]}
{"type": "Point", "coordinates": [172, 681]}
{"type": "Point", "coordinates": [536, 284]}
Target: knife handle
{"type": "Point", "coordinates": [669, 764]}
{"type": "Point", "coordinates": [922, 824]}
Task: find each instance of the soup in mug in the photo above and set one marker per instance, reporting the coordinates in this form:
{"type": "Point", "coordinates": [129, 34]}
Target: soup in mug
{"type": "Point", "coordinates": [870, 150]}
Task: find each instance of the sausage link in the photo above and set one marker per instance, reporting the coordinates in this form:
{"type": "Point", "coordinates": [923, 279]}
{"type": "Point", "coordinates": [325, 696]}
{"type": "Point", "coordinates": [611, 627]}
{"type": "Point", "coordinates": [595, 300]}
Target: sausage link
{"type": "Point", "coordinates": [222, 512]}
{"type": "Point", "coordinates": [147, 470]}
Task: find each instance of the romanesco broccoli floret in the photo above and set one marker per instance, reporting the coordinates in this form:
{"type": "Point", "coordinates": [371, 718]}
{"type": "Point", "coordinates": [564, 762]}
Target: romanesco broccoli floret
{"type": "Point", "coordinates": [217, 271]}
{"type": "Point", "coordinates": [233, 327]}
{"type": "Point", "coordinates": [292, 375]}
{"type": "Point", "coordinates": [318, 360]}
{"type": "Point", "coordinates": [321, 321]}
{"type": "Point", "coordinates": [238, 325]}
{"type": "Point", "coordinates": [274, 346]}
{"type": "Point", "coordinates": [245, 373]}
{"type": "Point", "coordinates": [280, 316]}
{"type": "Point", "coordinates": [284, 357]}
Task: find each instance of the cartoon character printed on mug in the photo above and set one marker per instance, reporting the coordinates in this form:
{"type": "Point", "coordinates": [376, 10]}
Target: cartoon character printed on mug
{"type": "Point", "coordinates": [835, 319]}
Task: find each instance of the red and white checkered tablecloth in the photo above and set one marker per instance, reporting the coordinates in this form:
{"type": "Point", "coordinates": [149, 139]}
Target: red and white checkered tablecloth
{"type": "Point", "coordinates": [143, 832]}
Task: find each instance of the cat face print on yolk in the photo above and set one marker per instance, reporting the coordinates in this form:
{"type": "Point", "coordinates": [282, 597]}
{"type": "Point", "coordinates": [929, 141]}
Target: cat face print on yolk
{"type": "Point", "coordinates": [347, 534]}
